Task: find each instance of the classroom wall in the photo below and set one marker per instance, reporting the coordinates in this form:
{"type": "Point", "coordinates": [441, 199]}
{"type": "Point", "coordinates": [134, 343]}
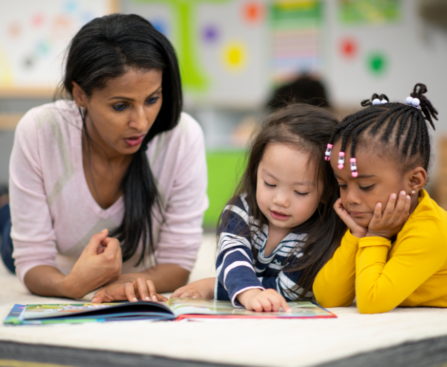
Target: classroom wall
{"type": "Point", "coordinates": [414, 51]}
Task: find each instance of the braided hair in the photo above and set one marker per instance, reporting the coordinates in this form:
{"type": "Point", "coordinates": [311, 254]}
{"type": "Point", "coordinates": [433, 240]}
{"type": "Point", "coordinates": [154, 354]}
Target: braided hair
{"type": "Point", "coordinates": [397, 125]}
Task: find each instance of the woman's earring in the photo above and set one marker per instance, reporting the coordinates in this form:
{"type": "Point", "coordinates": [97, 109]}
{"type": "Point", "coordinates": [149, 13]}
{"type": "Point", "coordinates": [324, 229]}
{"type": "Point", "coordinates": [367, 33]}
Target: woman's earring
{"type": "Point", "coordinates": [413, 192]}
{"type": "Point", "coordinates": [82, 112]}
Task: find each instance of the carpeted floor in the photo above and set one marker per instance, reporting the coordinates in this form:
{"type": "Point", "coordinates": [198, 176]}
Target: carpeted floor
{"type": "Point", "coordinates": [403, 337]}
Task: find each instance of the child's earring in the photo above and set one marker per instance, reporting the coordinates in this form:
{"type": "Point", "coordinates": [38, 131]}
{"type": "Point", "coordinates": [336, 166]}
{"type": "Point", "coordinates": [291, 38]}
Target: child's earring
{"type": "Point", "coordinates": [413, 192]}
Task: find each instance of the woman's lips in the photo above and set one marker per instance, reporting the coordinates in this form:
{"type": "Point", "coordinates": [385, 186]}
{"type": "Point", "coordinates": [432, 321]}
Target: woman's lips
{"type": "Point", "coordinates": [134, 140]}
{"type": "Point", "coordinates": [279, 215]}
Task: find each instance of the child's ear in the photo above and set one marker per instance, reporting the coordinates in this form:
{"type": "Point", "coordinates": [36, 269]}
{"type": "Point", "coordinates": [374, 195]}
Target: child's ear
{"type": "Point", "coordinates": [417, 178]}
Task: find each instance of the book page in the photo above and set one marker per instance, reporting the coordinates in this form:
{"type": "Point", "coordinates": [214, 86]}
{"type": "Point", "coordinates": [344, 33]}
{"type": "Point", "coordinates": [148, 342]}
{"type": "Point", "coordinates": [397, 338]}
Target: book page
{"type": "Point", "coordinates": [190, 306]}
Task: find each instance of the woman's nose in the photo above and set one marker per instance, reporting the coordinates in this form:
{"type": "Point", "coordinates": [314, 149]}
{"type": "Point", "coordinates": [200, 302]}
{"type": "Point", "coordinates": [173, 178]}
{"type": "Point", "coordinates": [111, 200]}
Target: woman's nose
{"type": "Point", "coordinates": [138, 119]}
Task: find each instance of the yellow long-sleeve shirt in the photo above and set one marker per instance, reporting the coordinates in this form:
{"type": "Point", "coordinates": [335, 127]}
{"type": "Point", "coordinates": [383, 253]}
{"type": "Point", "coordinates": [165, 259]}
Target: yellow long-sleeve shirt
{"type": "Point", "coordinates": [412, 271]}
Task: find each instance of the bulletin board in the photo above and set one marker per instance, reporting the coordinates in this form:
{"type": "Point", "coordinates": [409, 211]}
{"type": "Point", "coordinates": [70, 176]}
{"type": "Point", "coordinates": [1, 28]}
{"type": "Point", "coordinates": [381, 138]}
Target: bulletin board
{"type": "Point", "coordinates": [34, 36]}
{"type": "Point", "coordinates": [222, 46]}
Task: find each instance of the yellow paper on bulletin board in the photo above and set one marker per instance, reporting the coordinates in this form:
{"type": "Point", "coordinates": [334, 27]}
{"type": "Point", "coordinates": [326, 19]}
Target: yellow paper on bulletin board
{"type": "Point", "coordinates": [34, 36]}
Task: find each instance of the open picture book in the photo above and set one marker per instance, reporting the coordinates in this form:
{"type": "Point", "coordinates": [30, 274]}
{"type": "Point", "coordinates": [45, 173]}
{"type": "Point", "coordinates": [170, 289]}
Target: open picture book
{"type": "Point", "coordinates": [174, 309]}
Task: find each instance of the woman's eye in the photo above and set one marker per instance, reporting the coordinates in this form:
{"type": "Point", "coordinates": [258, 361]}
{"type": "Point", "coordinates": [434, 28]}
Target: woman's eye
{"type": "Point", "coordinates": [152, 100]}
{"type": "Point", "coordinates": [268, 185]}
{"type": "Point", "coordinates": [119, 106]}
{"type": "Point", "coordinates": [366, 188]}
{"type": "Point", "coordinates": [342, 187]}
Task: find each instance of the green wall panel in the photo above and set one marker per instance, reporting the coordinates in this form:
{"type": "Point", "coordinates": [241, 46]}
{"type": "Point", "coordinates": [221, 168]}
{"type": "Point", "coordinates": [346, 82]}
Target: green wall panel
{"type": "Point", "coordinates": [225, 169]}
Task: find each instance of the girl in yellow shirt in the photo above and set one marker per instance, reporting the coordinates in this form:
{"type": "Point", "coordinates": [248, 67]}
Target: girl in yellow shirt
{"type": "Point", "coordinates": [395, 250]}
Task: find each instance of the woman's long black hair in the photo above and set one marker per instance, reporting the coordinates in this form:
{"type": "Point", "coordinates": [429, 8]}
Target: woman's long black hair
{"type": "Point", "coordinates": [308, 129]}
{"type": "Point", "coordinates": [102, 50]}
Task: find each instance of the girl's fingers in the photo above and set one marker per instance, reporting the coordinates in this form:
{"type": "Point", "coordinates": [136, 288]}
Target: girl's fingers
{"type": "Point", "coordinates": [377, 216]}
{"type": "Point", "coordinates": [400, 205]}
{"type": "Point", "coordinates": [342, 213]}
{"type": "Point", "coordinates": [130, 292]}
{"type": "Point", "coordinates": [256, 306]}
{"type": "Point", "coordinates": [161, 298]}
{"type": "Point", "coordinates": [276, 304]}
{"type": "Point", "coordinates": [266, 304]}
{"type": "Point", "coordinates": [285, 307]}
{"type": "Point", "coordinates": [178, 293]}
{"type": "Point", "coordinates": [390, 207]}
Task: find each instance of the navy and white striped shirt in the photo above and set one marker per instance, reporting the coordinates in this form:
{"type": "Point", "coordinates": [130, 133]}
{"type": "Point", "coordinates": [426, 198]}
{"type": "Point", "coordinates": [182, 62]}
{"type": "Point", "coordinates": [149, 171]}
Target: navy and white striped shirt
{"type": "Point", "coordinates": [238, 270]}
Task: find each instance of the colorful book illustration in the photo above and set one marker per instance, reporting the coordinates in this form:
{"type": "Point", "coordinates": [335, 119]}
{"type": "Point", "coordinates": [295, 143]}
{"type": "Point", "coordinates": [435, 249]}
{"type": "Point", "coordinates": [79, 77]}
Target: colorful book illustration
{"type": "Point", "coordinates": [174, 309]}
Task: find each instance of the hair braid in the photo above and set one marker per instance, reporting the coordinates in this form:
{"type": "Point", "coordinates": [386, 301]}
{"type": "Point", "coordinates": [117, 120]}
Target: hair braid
{"type": "Point", "coordinates": [426, 107]}
{"type": "Point", "coordinates": [382, 120]}
{"type": "Point", "coordinates": [391, 124]}
{"type": "Point", "coordinates": [359, 121]}
{"type": "Point", "coordinates": [411, 131]}
{"type": "Point", "coordinates": [354, 138]}
{"type": "Point", "coordinates": [406, 123]}
{"type": "Point", "coordinates": [418, 140]}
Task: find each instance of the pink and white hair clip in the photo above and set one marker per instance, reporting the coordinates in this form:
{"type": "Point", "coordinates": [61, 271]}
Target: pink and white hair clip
{"type": "Point", "coordinates": [341, 160]}
{"type": "Point", "coordinates": [354, 172]}
{"type": "Point", "coordinates": [327, 154]}
{"type": "Point", "coordinates": [415, 102]}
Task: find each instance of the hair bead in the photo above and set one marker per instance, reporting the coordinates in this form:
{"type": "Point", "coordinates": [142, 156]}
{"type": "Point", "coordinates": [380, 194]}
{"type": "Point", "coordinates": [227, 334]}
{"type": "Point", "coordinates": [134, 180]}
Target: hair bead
{"type": "Point", "coordinates": [376, 102]}
{"type": "Point", "coordinates": [341, 160]}
{"type": "Point", "coordinates": [415, 102]}
{"type": "Point", "coordinates": [327, 154]}
{"type": "Point", "coordinates": [354, 172]}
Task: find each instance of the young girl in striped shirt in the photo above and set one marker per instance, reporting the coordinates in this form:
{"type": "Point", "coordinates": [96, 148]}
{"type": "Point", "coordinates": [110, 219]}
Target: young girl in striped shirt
{"type": "Point", "coordinates": [279, 229]}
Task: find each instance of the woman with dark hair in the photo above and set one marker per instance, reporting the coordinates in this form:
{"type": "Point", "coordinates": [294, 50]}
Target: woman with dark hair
{"type": "Point", "coordinates": [108, 186]}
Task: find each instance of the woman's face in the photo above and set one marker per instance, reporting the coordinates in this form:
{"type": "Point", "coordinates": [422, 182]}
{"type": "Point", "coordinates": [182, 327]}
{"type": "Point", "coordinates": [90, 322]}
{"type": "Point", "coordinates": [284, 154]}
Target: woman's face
{"type": "Point", "coordinates": [120, 115]}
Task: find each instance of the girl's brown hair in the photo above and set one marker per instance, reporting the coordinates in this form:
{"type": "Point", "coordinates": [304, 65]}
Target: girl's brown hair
{"type": "Point", "coordinates": [308, 129]}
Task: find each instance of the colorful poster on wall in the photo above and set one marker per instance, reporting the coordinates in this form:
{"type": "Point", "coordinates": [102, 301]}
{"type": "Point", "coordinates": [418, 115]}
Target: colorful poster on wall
{"type": "Point", "coordinates": [220, 46]}
{"type": "Point", "coordinates": [295, 31]}
{"type": "Point", "coordinates": [369, 11]}
{"type": "Point", "coordinates": [33, 40]}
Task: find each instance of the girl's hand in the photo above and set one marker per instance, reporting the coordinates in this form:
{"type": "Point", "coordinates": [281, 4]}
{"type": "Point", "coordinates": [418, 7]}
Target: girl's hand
{"type": "Point", "coordinates": [100, 262]}
{"type": "Point", "coordinates": [260, 300]}
{"type": "Point", "coordinates": [390, 222]}
{"type": "Point", "coordinates": [203, 289]}
{"type": "Point", "coordinates": [355, 229]}
{"type": "Point", "coordinates": [126, 289]}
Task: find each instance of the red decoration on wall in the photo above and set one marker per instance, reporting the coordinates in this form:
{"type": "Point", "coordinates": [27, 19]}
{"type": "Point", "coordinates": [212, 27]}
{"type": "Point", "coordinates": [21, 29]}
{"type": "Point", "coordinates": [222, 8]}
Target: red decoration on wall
{"type": "Point", "coordinates": [348, 48]}
{"type": "Point", "coordinates": [253, 11]}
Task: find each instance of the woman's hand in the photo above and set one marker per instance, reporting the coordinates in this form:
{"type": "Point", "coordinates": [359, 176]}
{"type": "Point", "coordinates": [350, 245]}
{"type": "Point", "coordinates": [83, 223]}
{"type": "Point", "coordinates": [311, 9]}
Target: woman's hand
{"type": "Point", "coordinates": [390, 222]}
{"type": "Point", "coordinates": [355, 229]}
{"type": "Point", "coordinates": [203, 289]}
{"type": "Point", "coordinates": [260, 300]}
{"type": "Point", "coordinates": [127, 289]}
{"type": "Point", "coordinates": [100, 262]}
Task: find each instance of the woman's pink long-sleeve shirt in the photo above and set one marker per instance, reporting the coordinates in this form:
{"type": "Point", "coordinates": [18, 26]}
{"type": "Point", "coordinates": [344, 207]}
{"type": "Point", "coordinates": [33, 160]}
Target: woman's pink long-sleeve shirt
{"type": "Point", "coordinates": [54, 214]}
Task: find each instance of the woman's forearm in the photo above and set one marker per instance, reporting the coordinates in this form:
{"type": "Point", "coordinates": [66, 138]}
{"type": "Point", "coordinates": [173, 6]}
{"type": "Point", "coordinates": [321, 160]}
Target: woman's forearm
{"type": "Point", "coordinates": [45, 280]}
